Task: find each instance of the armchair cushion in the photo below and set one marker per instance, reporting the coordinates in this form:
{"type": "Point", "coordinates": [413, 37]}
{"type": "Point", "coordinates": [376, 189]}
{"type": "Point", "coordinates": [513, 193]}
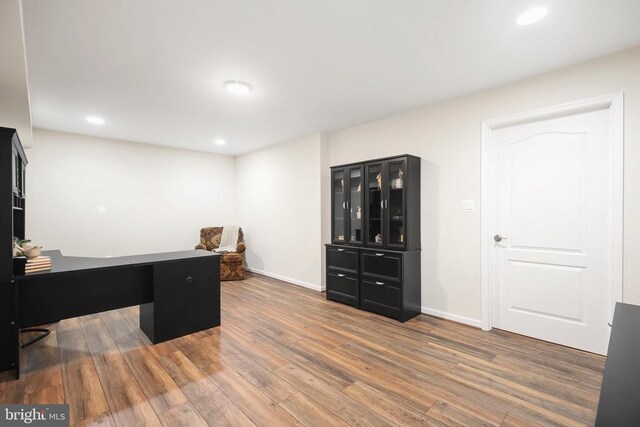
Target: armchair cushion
{"type": "Point", "coordinates": [231, 257]}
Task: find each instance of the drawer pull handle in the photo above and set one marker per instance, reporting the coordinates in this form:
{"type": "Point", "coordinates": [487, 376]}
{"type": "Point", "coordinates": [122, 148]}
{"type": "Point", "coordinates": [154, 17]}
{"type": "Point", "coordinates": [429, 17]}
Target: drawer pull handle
{"type": "Point", "coordinates": [340, 250]}
{"type": "Point", "coordinates": [189, 280]}
{"type": "Point", "coordinates": [340, 275]}
{"type": "Point", "coordinates": [378, 254]}
{"type": "Point", "coordinates": [379, 283]}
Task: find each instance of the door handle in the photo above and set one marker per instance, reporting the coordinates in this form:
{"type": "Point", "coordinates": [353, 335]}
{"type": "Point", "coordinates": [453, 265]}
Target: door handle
{"type": "Point", "coordinates": [381, 204]}
{"type": "Point", "coordinates": [498, 238]}
{"type": "Point", "coordinates": [386, 203]}
{"type": "Point", "coordinates": [379, 254]}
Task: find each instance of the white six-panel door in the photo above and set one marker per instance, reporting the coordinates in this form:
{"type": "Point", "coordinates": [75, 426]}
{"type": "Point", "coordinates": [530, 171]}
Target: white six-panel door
{"type": "Point", "coordinates": [552, 198]}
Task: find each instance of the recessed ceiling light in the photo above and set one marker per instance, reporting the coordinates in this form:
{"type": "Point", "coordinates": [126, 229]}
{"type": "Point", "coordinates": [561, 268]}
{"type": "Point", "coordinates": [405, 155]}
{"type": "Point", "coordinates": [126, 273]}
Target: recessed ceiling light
{"type": "Point", "coordinates": [531, 16]}
{"type": "Point", "coordinates": [219, 141]}
{"type": "Point", "coordinates": [94, 120]}
{"type": "Point", "coordinates": [237, 87]}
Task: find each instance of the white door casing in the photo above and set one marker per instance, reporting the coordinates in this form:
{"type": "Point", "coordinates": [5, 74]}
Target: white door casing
{"type": "Point", "coordinates": [552, 185]}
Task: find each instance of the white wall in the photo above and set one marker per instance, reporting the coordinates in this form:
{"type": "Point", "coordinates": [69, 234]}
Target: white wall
{"type": "Point", "coordinates": [279, 209]}
{"type": "Point", "coordinates": [15, 111]}
{"type": "Point", "coordinates": [447, 136]}
{"type": "Point", "coordinates": [156, 198]}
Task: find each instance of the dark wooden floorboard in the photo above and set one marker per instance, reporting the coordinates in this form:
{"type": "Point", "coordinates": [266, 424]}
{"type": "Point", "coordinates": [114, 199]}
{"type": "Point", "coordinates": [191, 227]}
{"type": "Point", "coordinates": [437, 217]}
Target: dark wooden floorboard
{"type": "Point", "coordinates": [286, 356]}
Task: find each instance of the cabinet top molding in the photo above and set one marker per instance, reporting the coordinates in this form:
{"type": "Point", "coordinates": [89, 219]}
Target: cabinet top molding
{"type": "Point", "coordinates": [12, 133]}
{"type": "Point", "coordinates": [381, 159]}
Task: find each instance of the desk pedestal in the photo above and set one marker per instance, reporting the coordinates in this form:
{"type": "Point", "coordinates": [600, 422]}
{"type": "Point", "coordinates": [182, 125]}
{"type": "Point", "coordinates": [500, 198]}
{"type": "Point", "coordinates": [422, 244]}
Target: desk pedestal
{"type": "Point", "coordinates": [186, 299]}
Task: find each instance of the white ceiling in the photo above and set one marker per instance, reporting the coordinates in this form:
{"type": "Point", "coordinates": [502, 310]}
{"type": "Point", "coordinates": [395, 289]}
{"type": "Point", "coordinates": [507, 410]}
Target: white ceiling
{"type": "Point", "coordinates": [153, 69]}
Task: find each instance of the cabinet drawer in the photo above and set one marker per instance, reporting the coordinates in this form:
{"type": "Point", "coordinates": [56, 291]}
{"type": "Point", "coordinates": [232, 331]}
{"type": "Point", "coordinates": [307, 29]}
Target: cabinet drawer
{"type": "Point", "coordinates": [343, 288]}
{"type": "Point", "coordinates": [342, 259]}
{"type": "Point", "coordinates": [381, 264]}
{"type": "Point", "coordinates": [382, 298]}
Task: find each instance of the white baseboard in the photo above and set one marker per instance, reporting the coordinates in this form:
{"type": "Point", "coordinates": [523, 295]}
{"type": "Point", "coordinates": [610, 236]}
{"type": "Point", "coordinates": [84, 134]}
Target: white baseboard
{"type": "Point", "coordinates": [287, 279]}
{"type": "Point", "coordinates": [454, 317]}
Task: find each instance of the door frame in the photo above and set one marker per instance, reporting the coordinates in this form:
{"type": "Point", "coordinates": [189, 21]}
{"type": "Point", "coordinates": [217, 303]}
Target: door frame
{"type": "Point", "coordinates": [615, 104]}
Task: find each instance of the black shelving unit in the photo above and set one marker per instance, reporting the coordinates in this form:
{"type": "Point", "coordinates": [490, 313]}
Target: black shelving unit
{"type": "Point", "coordinates": [373, 261]}
{"type": "Point", "coordinates": [13, 162]}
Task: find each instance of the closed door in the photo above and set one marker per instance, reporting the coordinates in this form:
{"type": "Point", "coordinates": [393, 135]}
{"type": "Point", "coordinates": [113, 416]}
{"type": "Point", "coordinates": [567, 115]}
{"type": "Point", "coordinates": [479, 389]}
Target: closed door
{"type": "Point", "coordinates": [552, 227]}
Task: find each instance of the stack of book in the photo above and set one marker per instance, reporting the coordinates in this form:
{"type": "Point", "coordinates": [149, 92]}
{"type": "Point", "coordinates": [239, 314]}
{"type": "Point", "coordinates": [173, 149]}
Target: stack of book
{"type": "Point", "coordinates": [22, 265]}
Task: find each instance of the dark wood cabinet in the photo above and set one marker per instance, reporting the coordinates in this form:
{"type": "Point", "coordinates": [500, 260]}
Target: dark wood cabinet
{"type": "Point", "coordinates": [13, 162]}
{"type": "Point", "coordinates": [381, 281]}
{"type": "Point", "coordinates": [375, 227]}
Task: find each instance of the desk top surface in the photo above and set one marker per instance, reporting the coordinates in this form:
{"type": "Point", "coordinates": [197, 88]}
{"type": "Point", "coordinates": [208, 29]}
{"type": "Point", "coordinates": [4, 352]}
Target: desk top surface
{"type": "Point", "coordinates": [66, 264]}
{"type": "Point", "coordinates": [620, 394]}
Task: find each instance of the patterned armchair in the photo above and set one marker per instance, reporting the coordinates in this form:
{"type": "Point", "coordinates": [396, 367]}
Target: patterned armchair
{"type": "Point", "coordinates": [231, 263]}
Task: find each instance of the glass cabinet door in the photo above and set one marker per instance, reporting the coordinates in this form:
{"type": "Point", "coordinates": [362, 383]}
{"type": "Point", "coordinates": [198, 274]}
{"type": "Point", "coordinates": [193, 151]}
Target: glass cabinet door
{"type": "Point", "coordinates": [394, 204]}
{"type": "Point", "coordinates": [339, 205]}
{"type": "Point", "coordinates": [374, 200]}
{"type": "Point", "coordinates": [354, 206]}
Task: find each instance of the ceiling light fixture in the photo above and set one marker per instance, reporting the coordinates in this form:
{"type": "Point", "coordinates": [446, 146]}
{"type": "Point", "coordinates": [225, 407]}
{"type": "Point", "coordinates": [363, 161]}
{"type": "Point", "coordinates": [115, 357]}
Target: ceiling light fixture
{"type": "Point", "coordinates": [531, 16]}
{"type": "Point", "coordinates": [94, 120]}
{"type": "Point", "coordinates": [219, 141]}
{"type": "Point", "coordinates": [237, 87]}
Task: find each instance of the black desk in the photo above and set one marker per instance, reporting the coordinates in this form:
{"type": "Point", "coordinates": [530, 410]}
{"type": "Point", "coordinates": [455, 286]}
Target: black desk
{"type": "Point", "coordinates": [178, 292]}
{"type": "Point", "coordinates": [620, 394]}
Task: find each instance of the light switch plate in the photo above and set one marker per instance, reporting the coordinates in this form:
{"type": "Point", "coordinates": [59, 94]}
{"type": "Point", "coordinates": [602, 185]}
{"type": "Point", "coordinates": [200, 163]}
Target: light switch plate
{"type": "Point", "coordinates": [467, 206]}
